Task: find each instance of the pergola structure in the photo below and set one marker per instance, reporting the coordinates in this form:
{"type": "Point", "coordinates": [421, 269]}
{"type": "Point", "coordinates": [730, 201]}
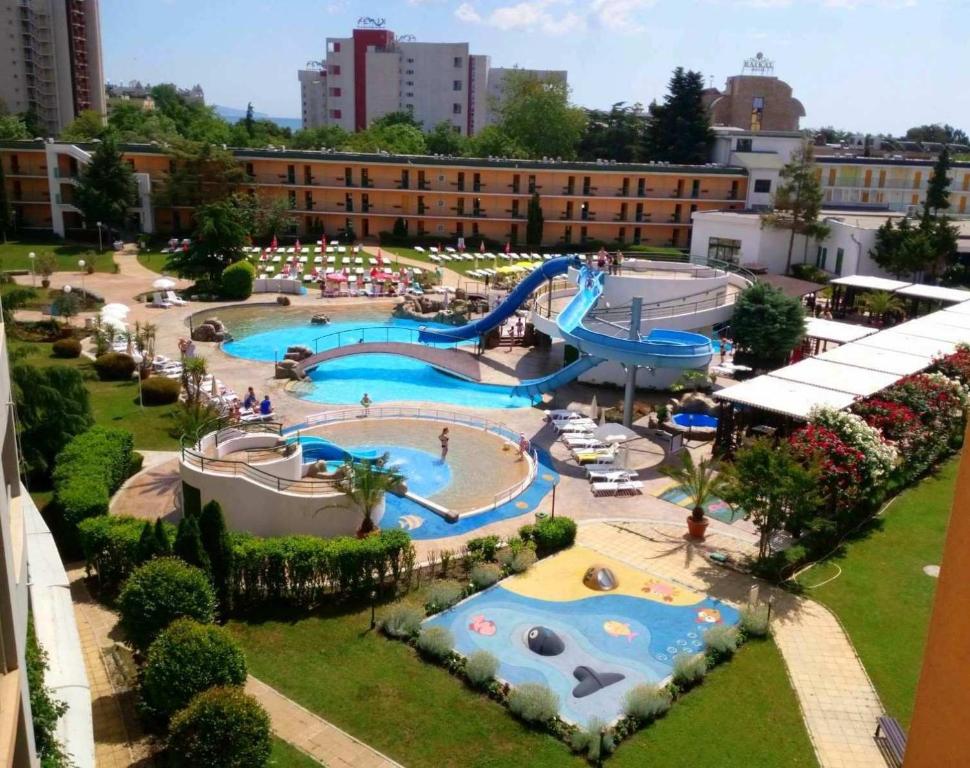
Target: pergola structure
{"type": "Point", "coordinates": [844, 290]}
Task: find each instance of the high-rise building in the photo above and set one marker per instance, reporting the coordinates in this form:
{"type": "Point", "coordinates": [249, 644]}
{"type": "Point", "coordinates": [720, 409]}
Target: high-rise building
{"type": "Point", "coordinates": [372, 73]}
{"type": "Point", "coordinates": [52, 65]}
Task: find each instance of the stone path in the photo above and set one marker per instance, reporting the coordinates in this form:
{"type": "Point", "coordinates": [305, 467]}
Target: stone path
{"type": "Point", "coordinates": [838, 702]}
{"type": "Point", "coordinates": [313, 735]}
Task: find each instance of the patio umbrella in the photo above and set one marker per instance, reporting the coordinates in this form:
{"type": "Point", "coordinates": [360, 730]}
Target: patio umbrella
{"type": "Point", "coordinates": [215, 387]}
{"type": "Point", "coordinates": [594, 408]}
{"type": "Point", "coordinates": [114, 309]}
{"type": "Point", "coordinates": [297, 247]}
{"type": "Point", "coordinates": [336, 277]}
{"type": "Point", "coordinates": [273, 245]}
{"type": "Point", "coordinates": [614, 433]}
{"type": "Point", "coordinates": [380, 258]}
{"type": "Point", "coordinates": [164, 284]}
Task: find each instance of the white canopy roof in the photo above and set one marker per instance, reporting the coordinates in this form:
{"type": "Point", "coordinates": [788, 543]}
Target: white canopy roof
{"type": "Point", "coordinates": [859, 382]}
{"type": "Point", "coordinates": [954, 319]}
{"type": "Point", "coordinates": [870, 282]}
{"type": "Point", "coordinates": [914, 345]}
{"type": "Point", "coordinates": [935, 292]}
{"type": "Point", "coordinates": [790, 398]}
{"type": "Point", "coordinates": [831, 330]}
{"type": "Point", "coordinates": [960, 309]}
{"type": "Point", "coordinates": [873, 358]}
{"type": "Point", "coordinates": [928, 327]}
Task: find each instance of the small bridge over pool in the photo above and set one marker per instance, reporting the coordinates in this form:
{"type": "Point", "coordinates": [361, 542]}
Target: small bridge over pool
{"type": "Point", "coordinates": [453, 360]}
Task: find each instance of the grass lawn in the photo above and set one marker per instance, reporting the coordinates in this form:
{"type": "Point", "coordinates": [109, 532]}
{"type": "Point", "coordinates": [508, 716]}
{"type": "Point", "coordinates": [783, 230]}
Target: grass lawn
{"type": "Point", "coordinates": [13, 255]}
{"type": "Point", "coordinates": [882, 595]}
{"type": "Point", "coordinates": [153, 261]}
{"type": "Point", "coordinates": [461, 267]}
{"type": "Point", "coordinates": [286, 756]}
{"type": "Point", "coordinates": [381, 692]}
{"type": "Point", "coordinates": [114, 404]}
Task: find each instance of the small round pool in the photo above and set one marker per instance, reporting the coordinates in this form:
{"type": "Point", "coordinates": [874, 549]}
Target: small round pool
{"type": "Point", "coordinates": [691, 420]}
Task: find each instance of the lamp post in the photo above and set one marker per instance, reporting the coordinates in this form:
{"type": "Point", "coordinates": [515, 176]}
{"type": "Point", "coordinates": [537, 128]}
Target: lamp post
{"type": "Point", "coordinates": [100, 246]}
{"type": "Point", "coordinates": [67, 304]}
{"type": "Point", "coordinates": [373, 605]}
{"type": "Point", "coordinates": [33, 275]}
{"type": "Point", "coordinates": [81, 265]}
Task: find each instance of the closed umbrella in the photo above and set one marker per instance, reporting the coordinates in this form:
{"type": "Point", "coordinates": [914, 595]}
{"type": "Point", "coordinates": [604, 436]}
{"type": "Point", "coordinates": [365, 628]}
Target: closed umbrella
{"type": "Point", "coordinates": [594, 409]}
{"type": "Point", "coordinates": [164, 284]}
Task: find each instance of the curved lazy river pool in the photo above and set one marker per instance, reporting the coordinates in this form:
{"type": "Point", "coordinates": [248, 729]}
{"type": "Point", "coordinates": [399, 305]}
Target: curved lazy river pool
{"type": "Point", "coordinates": [264, 334]}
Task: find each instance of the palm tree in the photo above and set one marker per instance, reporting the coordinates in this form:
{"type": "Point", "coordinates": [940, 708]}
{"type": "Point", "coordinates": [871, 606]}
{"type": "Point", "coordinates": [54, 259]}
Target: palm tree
{"type": "Point", "coordinates": [882, 304]}
{"type": "Point", "coordinates": [699, 481]}
{"type": "Point", "coordinates": [194, 370]}
{"type": "Point", "coordinates": [366, 482]}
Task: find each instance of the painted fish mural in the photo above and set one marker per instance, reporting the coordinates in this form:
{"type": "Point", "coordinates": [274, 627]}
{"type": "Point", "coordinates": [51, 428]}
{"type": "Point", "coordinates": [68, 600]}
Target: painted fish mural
{"type": "Point", "coordinates": [619, 629]}
{"type": "Point", "coordinates": [482, 626]}
{"type": "Point", "coordinates": [708, 616]}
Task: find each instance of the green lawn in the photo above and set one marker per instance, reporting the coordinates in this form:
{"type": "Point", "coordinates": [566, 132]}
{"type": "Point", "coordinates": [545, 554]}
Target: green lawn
{"type": "Point", "coordinates": [114, 404]}
{"type": "Point", "coordinates": [153, 261]}
{"type": "Point", "coordinates": [882, 595]}
{"type": "Point", "coordinates": [286, 756]}
{"type": "Point", "coordinates": [13, 255]}
{"type": "Point", "coordinates": [462, 267]}
{"type": "Point", "coordinates": [381, 692]}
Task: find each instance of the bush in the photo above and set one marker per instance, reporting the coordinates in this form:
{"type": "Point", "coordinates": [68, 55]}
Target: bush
{"type": "Point", "coordinates": [220, 728]}
{"type": "Point", "coordinates": [186, 659]}
{"type": "Point", "coordinates": [646, 702]}
{"type": "Point", "coordinates": [552, 534]}
{"type": "Point", "coordinates": [110, 546]}
{"type": "Point", "coordinates": [596, 740]}
{"type": "Point", "coordinates": [237, 280]}
{"type": "Point", "coordinates": [114, 366]}
{"type": "Point", "coordinates": [435, 642]}
{"type": "Point", "coordinates": [159, 390]}
{"type": "Point", "coordinates": [90, 468]}
{"type": "Point", "coordinates": [534, 703]}
{"type": "Point", "coordinates": [485, 575]}
{"type": "Point", "coordinates": [480, 668]}
{"type": "Point", "coordinates": [401, 621]}
{"type": "Point", "coordinates": [442, 595]}
{"type": "Point", "coordinates": [689, 669]}
{"type": "Point", "coordinates": [754, 620]}
{"type": "Point", "coordinates": [522, 560]}
{"type": "Point", "coordinates": [160, 591]}
{"type": "Point", "coordinates": [721, 642]}
{"type": "Point", "coordinates": [483, 548]}
{"type": "Point", "coordinates": [66, 348]}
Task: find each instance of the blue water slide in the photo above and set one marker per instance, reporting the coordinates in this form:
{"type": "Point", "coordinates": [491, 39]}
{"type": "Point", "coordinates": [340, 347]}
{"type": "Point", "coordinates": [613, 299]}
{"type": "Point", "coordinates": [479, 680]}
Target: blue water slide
{"type": "Point", "coordinates": [321, 449]}
{"type": "Point", "coordinates": [534, 388]}
{"type": "Point", "coordinates": [516, 298]}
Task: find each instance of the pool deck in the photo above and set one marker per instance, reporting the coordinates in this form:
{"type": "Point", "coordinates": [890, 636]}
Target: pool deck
{"type": "Point", "coordinates": [458, 362]}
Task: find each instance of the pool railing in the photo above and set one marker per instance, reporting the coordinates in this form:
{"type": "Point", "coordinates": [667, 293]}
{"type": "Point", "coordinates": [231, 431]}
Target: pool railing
{"type": "Point", "coordinates": [383, 333]}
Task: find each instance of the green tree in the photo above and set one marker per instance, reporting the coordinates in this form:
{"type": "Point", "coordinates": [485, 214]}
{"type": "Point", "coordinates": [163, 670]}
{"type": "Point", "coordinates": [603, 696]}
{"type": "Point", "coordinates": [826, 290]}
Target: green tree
{"type": "Point", "coordinates": [536, 114]}
{"type": "Point", "coordinates": [679, 130]}
{"type": "Point", "coordinates": [35, 126]}
{"type": "Point", "coordinates": [900, 249]}
{"type": "Point", "coordinates": [444, 139]}
{"type": "Point", "coordinates": [131, 123]}
{"type": "Point", "coordinates": [188, 544]}
{"type": "Point", "coordinates": [938, 187]}
{"type": "Point", "coordinates": [767, 324]}
{"type": "Point", "coordinates": [327, 136]}
{"type": "Point", "coordinates": [700, 481]}
{"type": "Point", "coordinates": [797, 201]}
{"type": "Point", "coordinates": [147, 543]}
{"type": "Point", "coordinates": [218, 548]}
{"type": "Point", "coordinates": [396, 138]}
{"type": "Point", "coordinates": [6, 213]}
{"type": "Point", "coordinates": [881, 305]}
{"type": "Point", "coordinates": [45, 710]}
{"type": "Point", "coordinates": [366, 482]}
{"type": "Point", "coordinates": [86, 126]}
{"type": "Point", "coordinates": [202, 173]}
{"type": "Point", "coordinates": [52, 407]}
{"type": "Point", "coordinates": [493, 141]}
{"type": "Point", "coordinates": [217, 242]}
{"type": "Point", "coordinates": [16, 298]}
{"type": "Point", "coordinates": [220, 728]}
{"type": "Point", "coordinates": [943, 134]}
{"type": "Point", "coordinates": [13, 127]}
{"type": "Point", "coordinates": [534, 222]}
{"type": "Point", "coordinates": [400, 117]}
{"type": "Point", "coordinates": [106, 187]}
{"type": "Point", "coordinates": [266, 216]}
{"type": "Point", "coordinates": [773, 487]}
{"type": "Point", "coordinates": [619, 134]}
{"type": "Point", "coordinates": [249, 122]}
{"type": "Point", "coordinates": [163, 545]}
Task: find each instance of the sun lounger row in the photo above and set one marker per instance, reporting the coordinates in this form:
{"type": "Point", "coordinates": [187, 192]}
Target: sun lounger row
{"type": "Point", "coordinates": [617, 487]}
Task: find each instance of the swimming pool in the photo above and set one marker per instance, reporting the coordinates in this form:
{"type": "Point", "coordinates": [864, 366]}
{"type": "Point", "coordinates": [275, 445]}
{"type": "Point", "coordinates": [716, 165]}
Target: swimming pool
{"type": "Point", "coordinates": [695, 420]}
{"type": "Point", "coordinates": [545, 626]}
{"type": "Point", "coordinates": [384, 377]}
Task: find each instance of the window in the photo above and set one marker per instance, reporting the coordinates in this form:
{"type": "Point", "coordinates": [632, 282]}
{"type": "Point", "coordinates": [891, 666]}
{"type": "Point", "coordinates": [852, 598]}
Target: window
{"type": "Point", "coordinates": [457, 62]}
{"type": "Point", "coordinates": [762, 186]}
{"type": "Point", "coordinates": [292, 199]}
{"type": "Point", "coordinates": [410, 94]}
{"type": "Point", "coordinates": [291, 174]}
{"type": "Point", "coordinates": [336, 114]}
{"type": "Point", "coordinates": [335, 92]}
{"type": "Point", "coordinates": [334, 69]}
{"type": "Point", "coordinates": [757, 112]}
{"type": "Point", "coordinates": [249, 169]}
{"type": "Point", "coordinates": [820, 257]}
{"type": "Point", "coordinates": [456, 85]}
{"type": "Point", "coordinates": [839, 256]}
{"type": "Point", "coordinates": [724, 249]}
{"type": "Point", "coordinates": [333, 47]}
{"type": "Point", "coordinates": [743, 145]}
{"type": "Point", "coordinates": [410, 61]}
{"type": "Point", "coordinates": [456, 109]}
{"type": "Point", "coordinates": [409, 71]}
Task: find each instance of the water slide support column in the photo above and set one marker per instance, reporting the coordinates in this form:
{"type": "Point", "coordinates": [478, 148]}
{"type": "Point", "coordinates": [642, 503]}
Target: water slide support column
{"type": "Point", "coordinates": [636, 308]}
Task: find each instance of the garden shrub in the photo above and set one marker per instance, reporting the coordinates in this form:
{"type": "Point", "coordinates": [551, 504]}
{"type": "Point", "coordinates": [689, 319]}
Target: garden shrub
{"type": "Point", "coordinates": [596, 740]}
{"type": "Point", "coordinates": [112, 547]}
{"type": "Point", "coordinates": [402, 621]}
{"type": "Point", "coordinates": [91, 467]}
{"type": "Point", "coordinates": [435, 643]}
{"type": "Point", "coordinates": [442, 595]}
{"type": "Point", "coordinates": [186, 659]}
{"type": "Point", "coordinates": [533, 703]}
{"type": "Point", "coordinates": [754, 620]}
{"type": "Point", "coordinates": [160, 591]}
{"type": "Point", "coordinates": [485, 575]}
{"type": "Point", "coordinates": [46, 710]}
{"type": "Point", "coordinates": [647, 702]}
{"type": "Point", "coordinates": [720, 642]}
{"type": "Point", "coordinates": [114, 366]}
{"type": "Point", "coordinates": [522, 560]}
{"type": "Point", "coordinates": [220, 728]}
{"type": "Point", "coordinates": [159, 390]}
{"type": "Point", "coordinates": [689, 669]}
{"type": "Point", "coordinates": [480, 668]}
{"type": "Point", "coordinates": [483, 548]}
{"type": "Point", "coordinates": [551, 535]}
{"type": "Point", "coordinates": [237, 280]}
{"type": "Point", "coordinates": [66, 348]}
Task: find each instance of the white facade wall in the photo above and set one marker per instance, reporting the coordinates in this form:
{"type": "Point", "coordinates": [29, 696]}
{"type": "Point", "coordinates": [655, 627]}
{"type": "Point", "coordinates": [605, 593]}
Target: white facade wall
{"type": "Point", "coordinates": [313, 97]}
{"type": "Point", "coordinates": [434, 81]}
{"type": "Point", "coordinates": [340, 82]}
{"type": "Point", "coordinates": [383, 94]}
{"type": "Point", "coordinates": [893, 186]}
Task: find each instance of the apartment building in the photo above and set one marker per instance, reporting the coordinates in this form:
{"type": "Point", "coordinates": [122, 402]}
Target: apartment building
{"type": "Point", "coordinates": [447, 198]}
{"type": "Point", "coordinates": [373, 72]}
{"type": "Point", "coordinates": [52, 65]}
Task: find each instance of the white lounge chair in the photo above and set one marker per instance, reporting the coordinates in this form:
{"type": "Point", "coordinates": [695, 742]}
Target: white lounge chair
{"type": "Point", "coordinates": [172, 298]}
{"type": "Point", "coordinates": [614, 488]}
{"type": "Point", "coordinates": [159, 301]}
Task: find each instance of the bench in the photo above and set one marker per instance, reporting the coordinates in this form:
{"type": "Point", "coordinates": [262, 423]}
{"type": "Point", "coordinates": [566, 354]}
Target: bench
{"type": "Point", "coordinates": [891, 737]}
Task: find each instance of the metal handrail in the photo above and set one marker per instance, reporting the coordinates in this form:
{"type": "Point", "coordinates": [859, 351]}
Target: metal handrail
{"type": "Point", "coordinates": [260, 477]}
{"type": "Point", "coordinates": [360, 336]}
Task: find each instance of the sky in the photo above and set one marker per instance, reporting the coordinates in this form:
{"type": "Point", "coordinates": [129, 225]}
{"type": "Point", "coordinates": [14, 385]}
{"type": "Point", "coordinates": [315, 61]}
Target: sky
{"type": "Point", "coordinates": [878, 66]}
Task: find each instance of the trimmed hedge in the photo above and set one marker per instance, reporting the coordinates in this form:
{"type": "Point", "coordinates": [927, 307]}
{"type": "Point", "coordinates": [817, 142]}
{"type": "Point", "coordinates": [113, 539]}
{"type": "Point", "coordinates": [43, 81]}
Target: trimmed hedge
{"type": "Point", "coordinates": [92, 466]}
{"type": "Point", "coordinates": [550, 535]}
{"type": "Point", "coordinates": [186, 659]}
{"type": "Point", "coordinates": [66, 348]}
{"type": "Point", "coordinates": [159, 390]}
{"type": "Point", "coordinates": [111, 547]}
{"type": "Point", "coordinates": [220, 728]}
{"type": "Point", "coordinates": [114, 366]}
{"type": "Point", "coordinates": [237, 280]}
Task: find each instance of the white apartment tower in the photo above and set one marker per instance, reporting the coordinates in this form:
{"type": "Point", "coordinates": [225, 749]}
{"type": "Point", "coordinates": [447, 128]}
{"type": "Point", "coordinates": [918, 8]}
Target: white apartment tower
{"type": "Point", "coordinates": [52, 65]}
{"type": "Point", "coordinates": [373, 73]}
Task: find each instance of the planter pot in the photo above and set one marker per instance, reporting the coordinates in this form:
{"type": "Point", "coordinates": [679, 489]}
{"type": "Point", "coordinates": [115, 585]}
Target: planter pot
{"type": "Point", "coordinates": [45, 283]}
{"type": "Point", "coordinates": [697, 528]}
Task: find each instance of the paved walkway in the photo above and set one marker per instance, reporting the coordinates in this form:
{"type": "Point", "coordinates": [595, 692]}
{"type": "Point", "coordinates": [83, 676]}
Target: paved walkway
{"type": "Point", "coordinates": [838, 702]}
{"type": "Point", "coordinates": [318, 738]}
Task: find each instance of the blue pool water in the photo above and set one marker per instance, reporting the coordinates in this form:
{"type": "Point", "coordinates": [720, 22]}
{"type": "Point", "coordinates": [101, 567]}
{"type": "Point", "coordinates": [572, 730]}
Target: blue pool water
{"type": "Point", "coordinates": [652, 634]}
{"type": "Point", "coordinates": [694, 420]}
